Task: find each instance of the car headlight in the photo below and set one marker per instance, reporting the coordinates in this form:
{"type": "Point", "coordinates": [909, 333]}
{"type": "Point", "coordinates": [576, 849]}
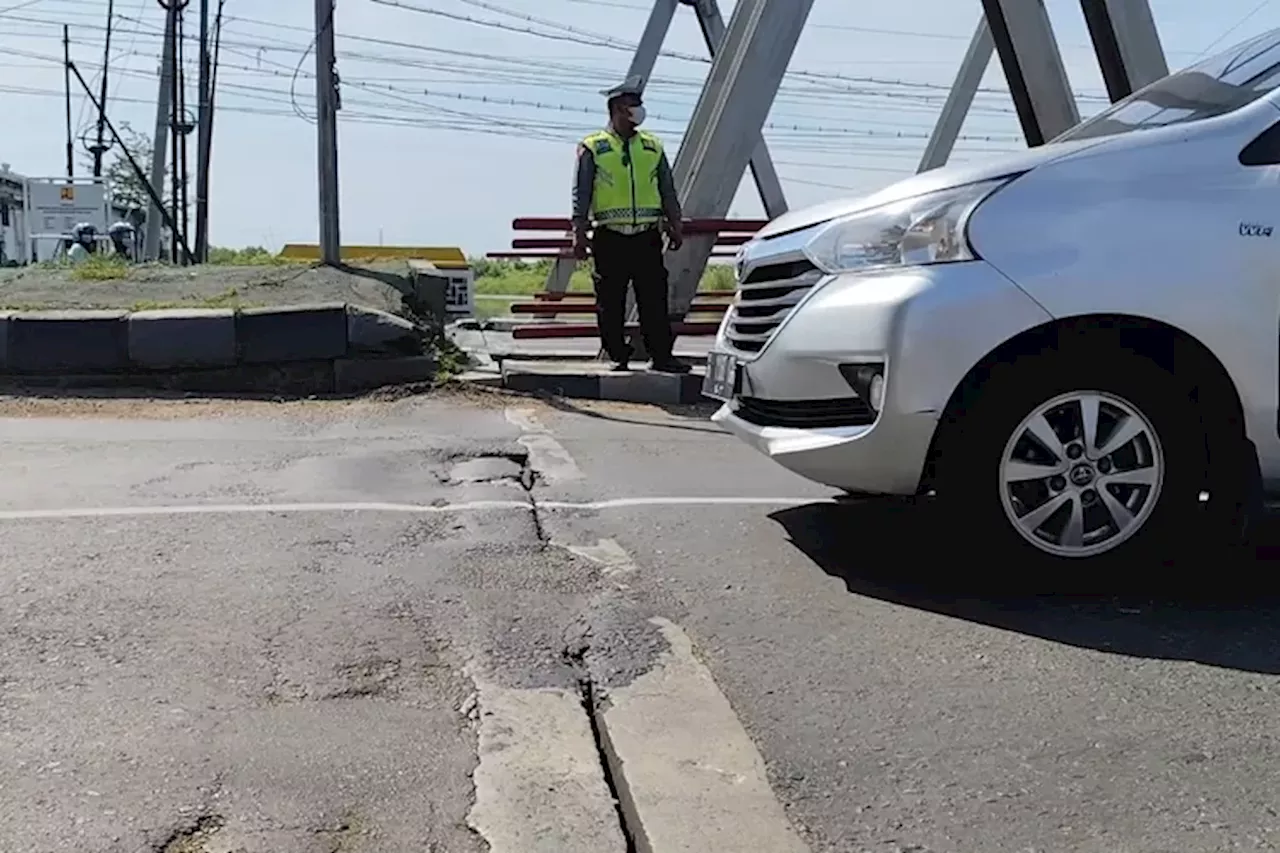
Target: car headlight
{"type": "Point", "coordinates": [927, 229]}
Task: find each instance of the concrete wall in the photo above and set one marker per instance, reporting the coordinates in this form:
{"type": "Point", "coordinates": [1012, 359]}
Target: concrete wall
{"type": "Point", "coordinates": [296, 349]}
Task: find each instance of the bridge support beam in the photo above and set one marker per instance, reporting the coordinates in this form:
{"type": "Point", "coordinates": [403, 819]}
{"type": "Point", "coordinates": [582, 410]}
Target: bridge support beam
{"type": "Point", "coordinates": [945, 133]}
{"type": "Point", "coordinates": [725, 129]}
{"type": "Point", "coordinates": [1028, 51]}
{"type": "Point", "coordinates": [1125, 40]}
{"type": "Point", "coordinates": [1127, 44]}
{"type": "Point", "coordinates": [711, 22]}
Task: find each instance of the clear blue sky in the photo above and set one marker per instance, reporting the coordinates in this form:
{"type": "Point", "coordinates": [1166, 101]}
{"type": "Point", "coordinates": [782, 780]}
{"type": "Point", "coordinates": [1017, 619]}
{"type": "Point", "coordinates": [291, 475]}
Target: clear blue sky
{"type": "Point", "coordinates": [452, 127]}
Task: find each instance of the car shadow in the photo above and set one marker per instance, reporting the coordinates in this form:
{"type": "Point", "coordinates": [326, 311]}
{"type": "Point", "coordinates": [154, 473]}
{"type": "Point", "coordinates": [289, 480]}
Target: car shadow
{"type": "Point", "coordinates": [1219, 614]}
{"type": "Point", "coordinates": [697, 416]}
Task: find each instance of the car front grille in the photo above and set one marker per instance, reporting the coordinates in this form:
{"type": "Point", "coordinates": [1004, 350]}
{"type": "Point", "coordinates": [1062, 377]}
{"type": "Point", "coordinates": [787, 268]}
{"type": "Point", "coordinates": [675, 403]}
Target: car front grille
{"type": "Point", "coordinates": [806, 414]}
{"type": "Point", "coordinates": [767, 293]}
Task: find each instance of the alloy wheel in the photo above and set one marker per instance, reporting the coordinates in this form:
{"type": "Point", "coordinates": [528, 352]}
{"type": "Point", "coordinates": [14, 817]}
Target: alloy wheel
{"type": "Point", "coordinates": [1081, 474]}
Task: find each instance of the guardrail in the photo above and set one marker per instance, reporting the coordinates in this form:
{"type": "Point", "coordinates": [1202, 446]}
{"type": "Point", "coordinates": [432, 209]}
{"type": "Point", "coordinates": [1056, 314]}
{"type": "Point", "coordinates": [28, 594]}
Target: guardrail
{"type": "Point", "coordinates": [556, 300]}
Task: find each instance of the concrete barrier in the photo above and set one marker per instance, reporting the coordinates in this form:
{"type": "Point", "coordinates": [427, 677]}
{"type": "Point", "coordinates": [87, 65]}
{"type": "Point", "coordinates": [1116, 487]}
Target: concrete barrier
{"type": "Point", "coordinates": [291, 350]}
{"type": "Point", "coordinates": [595, 381]}
{"type": "Point", "coordinates": [67, 341]}
{"type": "Point", "coordinates": [353, 375]}
{"type": "Point", "coordinates": [5, 317]}
{"type": "Point", "coordinates": [292, 333]}
{"type": "Point", "coordinates": [379, 333]}
{"type": "Point", "coordinates": [197, 337]}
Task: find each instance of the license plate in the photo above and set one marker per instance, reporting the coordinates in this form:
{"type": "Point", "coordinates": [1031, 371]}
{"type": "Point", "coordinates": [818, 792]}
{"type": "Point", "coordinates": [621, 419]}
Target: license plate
{"type": "Point", "coordinates": [724, 377]}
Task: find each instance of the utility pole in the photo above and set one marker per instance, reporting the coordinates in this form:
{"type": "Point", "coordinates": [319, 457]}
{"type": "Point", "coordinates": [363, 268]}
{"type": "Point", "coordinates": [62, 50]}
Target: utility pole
{"type": "Point", "coordinates": [100, 147]}
{"type": "Point", "coordinates": [327, 133]}
{"type": "Point", "coordinates": [175, 133]}
{"type": "Point", "coordinates": [159, 140]}
{"type": "Point", "coordinates": [202, 140]}
{"type": "Point", "coordinates": [66, 69]}
{"type": "Point", "coordinates": [182, 127]}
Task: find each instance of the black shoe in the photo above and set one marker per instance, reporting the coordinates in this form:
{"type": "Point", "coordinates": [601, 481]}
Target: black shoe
{"type": "Point", "coordinates": [622, 363]}
{"type": "Point", "coordinates": [671, 365]}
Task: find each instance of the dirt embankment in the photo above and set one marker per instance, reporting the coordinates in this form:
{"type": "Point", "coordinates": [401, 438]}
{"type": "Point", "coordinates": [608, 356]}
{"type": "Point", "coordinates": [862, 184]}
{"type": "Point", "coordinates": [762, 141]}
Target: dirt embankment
{"type": "Point", "coordinates": [155, 286]}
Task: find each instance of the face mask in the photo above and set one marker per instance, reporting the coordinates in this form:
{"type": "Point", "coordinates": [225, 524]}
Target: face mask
{"type": "Point", "coordinates": [637, 115]}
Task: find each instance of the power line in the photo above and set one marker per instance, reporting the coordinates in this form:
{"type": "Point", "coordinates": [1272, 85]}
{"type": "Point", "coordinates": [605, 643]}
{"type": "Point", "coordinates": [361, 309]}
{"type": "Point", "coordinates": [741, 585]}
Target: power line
{"type": "Point", "coordinates": [585, 37]}
{"type": "Point", "coordinates": [818, 25]}
{"type": "Point", "coordinates": [925, 92]}
{"type": "Point", "coordinates": [22, 5]}
{"type": "Point", "coordinates": [1237, 25]}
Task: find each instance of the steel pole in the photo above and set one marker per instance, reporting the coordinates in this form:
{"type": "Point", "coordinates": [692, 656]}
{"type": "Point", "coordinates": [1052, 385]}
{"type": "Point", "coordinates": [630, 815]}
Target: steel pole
{"type": "Point", "coordinates": [327, 134]}
{"type": "Point", "coordinates": [159, 142]}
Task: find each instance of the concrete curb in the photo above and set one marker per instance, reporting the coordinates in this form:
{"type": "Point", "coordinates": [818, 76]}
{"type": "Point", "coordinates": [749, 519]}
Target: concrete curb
{"type": "Point", "coordinates": [575, 357]}
{"type": "Point", "coordinates": [297, 349]}
{"type": "Point", "coordinates": [594, 381]}
{"type": "Point", "coordinates": [288, 379]}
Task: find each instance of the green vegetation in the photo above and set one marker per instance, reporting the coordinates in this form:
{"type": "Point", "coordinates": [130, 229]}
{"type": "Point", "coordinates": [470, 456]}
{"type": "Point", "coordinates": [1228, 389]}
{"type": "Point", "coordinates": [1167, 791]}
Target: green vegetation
{"type": "Point", "coordinates": [100, 268]}
{"type": "Point", "coordinates": [253, 256]}
{"type": "Point", "coordinates": [227, 299]}
{"type": "Point", "coordinates": [520, 278]}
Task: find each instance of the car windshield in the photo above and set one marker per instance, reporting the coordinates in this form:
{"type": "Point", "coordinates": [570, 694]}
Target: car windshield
{"type": "Point", "coordinates": [1210, 88]}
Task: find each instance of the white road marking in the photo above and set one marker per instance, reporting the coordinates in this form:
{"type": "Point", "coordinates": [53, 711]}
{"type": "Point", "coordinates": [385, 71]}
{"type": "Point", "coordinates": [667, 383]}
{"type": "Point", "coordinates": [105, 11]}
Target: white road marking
{"type": "Point", "coordinates": [680, 500]}
{"type": "Point", "coordinates": [546, 455]}
{"type": "Point", "coordinates": [692, 780]}
{"type": "Point", "coordinates": [539, 784]}
{"type": "Point", "coordinates": [411, 509]}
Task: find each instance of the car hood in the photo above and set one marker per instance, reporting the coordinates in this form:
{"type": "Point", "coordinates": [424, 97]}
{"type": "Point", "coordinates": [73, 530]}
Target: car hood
{"type": "Point", "coordinates": [927, 182]}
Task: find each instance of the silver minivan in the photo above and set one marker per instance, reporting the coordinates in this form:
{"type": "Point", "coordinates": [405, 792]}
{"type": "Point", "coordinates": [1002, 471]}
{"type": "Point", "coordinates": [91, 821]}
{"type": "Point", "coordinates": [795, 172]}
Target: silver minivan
{"type": "Point", "coordinates": [1077, 347]}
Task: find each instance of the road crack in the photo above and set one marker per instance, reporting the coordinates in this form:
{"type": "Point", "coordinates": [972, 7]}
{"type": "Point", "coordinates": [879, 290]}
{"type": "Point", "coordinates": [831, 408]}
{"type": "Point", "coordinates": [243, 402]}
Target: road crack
{"type": "Point", "coordinates": [575, 657]}
{"type": "Point", "coordinates": [529, 480]}
{"type": "Point", "coordinates": [192, 837]}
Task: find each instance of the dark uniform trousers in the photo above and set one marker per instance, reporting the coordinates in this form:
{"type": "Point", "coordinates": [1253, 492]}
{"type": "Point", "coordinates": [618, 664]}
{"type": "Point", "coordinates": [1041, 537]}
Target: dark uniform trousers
{"type": "Point", "coordinates": [636, 260]}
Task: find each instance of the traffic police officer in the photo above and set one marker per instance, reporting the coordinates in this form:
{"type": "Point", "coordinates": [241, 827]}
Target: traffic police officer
{"type": "Point", "coordinates": [625, 194]}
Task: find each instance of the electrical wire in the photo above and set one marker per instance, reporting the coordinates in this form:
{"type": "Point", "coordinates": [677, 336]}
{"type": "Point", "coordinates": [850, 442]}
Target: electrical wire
{"type": "Point", "coordinates": [585, 37]}
{"type": "Point", "coordinates": [1237, 25]}
{"type": "Point", "coordinates": [405, 105]}
{"type": "Point", "coordinates": [18, 6]}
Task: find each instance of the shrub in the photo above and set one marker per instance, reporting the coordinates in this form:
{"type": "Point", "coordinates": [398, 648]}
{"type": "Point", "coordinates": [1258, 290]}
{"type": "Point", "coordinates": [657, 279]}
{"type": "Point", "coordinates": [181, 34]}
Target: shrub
{"type": "Point", "coordinates": [100, 268]}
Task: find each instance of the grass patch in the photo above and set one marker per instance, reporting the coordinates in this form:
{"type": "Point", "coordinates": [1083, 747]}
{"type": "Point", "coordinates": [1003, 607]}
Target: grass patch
{"type": "Point", "coordinates": [253, 256]}
{"type": "Point", "coordinates": [227, 299]}
{"type": "Point", "coordinates": [521, 278]}
{"type": "Point", "coordinates": [487, 308]}
{"type": "Point", "coordinates": [100, 268]}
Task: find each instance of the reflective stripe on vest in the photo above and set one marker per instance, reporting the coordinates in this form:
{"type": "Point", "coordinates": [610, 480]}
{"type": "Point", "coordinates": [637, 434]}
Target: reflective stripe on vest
{"type": "Point", "coordinates": [626, 186]}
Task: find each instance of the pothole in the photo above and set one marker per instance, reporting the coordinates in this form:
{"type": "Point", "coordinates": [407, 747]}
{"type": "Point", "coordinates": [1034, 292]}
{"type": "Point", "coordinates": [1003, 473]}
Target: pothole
{"type": "Point", "coordinates": [193, 838]}
{"type": "Point", "coordinates": [487, 469]}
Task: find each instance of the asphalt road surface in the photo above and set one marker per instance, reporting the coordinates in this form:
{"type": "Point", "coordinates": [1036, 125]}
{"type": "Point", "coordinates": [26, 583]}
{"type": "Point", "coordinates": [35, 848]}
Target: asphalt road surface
{"type": "Point", "coordinates": [375, 626]}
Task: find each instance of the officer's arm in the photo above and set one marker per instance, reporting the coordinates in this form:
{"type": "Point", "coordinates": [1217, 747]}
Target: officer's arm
{"type": "Point", "coordinates": [667, 191]}
{"type": "Point", "coordinates": [583, 185]}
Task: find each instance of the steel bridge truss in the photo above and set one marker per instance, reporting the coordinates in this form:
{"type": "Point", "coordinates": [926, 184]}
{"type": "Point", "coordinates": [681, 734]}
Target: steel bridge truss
{"type": "Point", "coordinates": [751, 54]}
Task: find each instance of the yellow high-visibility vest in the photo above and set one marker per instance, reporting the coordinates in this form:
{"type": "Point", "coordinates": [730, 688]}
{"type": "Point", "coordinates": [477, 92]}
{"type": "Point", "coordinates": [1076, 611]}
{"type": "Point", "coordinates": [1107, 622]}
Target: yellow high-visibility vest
{"type": "Point", "coordinates": [626, 188]}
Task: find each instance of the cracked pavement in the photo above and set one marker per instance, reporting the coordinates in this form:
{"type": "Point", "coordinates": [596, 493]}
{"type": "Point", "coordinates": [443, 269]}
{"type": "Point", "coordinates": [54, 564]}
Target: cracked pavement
{"type": "Point", "coordinates": [291, 682]}
{"type": "Point", "coordinates": [306, 681]}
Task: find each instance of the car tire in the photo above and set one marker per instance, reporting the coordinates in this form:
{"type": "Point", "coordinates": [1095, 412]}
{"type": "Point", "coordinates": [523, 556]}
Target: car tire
{"type": "Point", "coordinates": [1131, 498]}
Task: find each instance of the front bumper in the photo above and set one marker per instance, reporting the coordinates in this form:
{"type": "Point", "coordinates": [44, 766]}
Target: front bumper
{"type": "Point", "coordinates": [926, 327]}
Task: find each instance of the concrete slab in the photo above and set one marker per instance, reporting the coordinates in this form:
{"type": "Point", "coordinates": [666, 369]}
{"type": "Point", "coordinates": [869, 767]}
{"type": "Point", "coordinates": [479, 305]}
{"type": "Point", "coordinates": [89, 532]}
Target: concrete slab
{"type": "Point", "coordinates": [351, 375]}
{"type": "Point", "coordinates": [696, 785]}
{"type": "Point", "coordinates": [501, 346]}
{"type": "Point", "coordinates": [292, 333]}
{"type": "Point", "coordinates": [195, 337]}
{"type": "Point", "coordinates": [67, 341]}
{"type": "Point", "coordinates": [371, 332]}
{"type": "Point", "coordinates": [596, 381]}
{"type": "Point", "coordinates": [539, 785]}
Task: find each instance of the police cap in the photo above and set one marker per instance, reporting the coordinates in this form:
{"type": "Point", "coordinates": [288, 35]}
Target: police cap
{"type": "Point", "coordinates": [633, 85]}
